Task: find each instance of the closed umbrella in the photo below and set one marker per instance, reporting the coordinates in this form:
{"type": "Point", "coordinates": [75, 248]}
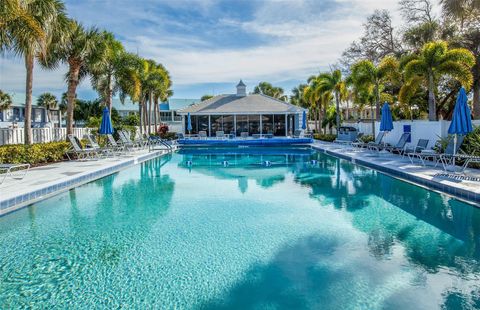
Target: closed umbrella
{"type": "Point", "coordinates": [462, 119]}
{"type": "Point", "coordinates": [304, 120]}
{"type": "Point", "coordinates": [106, 125]}
{"type": "Point", "coordinates": [189, 123]}
{"type": "Point", "coordinates": [386, 122]}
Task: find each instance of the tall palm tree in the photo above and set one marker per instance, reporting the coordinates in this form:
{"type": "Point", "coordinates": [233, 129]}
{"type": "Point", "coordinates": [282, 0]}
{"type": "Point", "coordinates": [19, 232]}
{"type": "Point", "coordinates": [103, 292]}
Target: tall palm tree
{"type": "Point", "coordinates": [27, 28]}
{"type": "Point", "coordinates": [5, 101]}
{"type": "Point", "coordinates": [333, 82]}
{"type": "Point", "coordinates": [129, 81]}
{"type": "Point", "coordinates": [81, 49]}
{"type": "Point", "coordinates": [435, 61]}
{"type": "Point", "coordinates": [297, 97]}
{"type": "Point", "coordinates": [311, 97]}
{"type": "Point", "coordinates": [106, 71]}
{"type": "Point", "coordinates": [365, 74]}
{"type": "Point", "coordinates": [49, 102]}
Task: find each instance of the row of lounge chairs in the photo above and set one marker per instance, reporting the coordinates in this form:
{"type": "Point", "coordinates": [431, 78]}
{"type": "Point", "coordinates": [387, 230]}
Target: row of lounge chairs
{"type": "Point", "coordinates": [124, 145]}
{"type": "Point", "coordinates": [420, 151]}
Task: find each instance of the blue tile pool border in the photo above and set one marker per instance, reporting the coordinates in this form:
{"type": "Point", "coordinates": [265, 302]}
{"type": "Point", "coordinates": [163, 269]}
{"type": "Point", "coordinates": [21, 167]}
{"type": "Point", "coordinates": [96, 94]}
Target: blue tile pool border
{"type": "Point", "coordinates": [18, 202]}
{"type": "Point", "coordinates": [459, 193]}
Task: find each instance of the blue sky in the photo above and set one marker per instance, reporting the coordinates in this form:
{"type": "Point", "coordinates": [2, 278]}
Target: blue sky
{"type": "Point", "coordinates": [209, 45]}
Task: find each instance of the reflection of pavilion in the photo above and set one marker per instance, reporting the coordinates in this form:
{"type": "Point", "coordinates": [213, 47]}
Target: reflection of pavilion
{"type": "Point", "coordinates": [254, 114]}
{"type": "Point", "coordinates": [266, 167]}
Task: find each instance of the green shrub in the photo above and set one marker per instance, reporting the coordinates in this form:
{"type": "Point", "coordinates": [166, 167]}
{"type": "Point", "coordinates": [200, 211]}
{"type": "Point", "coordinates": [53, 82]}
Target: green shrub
{"type": "Point", "coordinates": [324, 137]}
{"type": "Point", "coordinates": [34, 154]}
{"type": "Point", "coordinates": [367, 138]}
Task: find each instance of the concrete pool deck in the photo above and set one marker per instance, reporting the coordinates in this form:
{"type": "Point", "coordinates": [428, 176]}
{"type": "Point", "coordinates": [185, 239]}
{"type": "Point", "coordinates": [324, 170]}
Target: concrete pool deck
{"type": "Point", "coordinates": [46, 181]}
{"type": "Point", "coordinates": [433, 178]}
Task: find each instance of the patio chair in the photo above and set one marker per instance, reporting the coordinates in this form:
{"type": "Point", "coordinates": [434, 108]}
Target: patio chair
{"type": "Point", "coordinates": [15, 171]}
{"type": "Point", "coordinates": [94, 145]}
{"type": "Point", "coordinates": [378, 144]}
{"type": "Point", "coordinates": [244, 135]}
{"type": "Point", "coordinates": [446, 157]}
{"type": "Point", "coordinates": [202, 135]}
{"type": "Point", "coordinates": [116, 147]}
{"type": "Point", "coordinates": [220, 134]}
{"type": "Point", "coordinates": [297, 134]}
{"type": "Point", "coordinates": [79, 151]}
{"type": "Point", "coordinates": [180, 136]}
{"type": "Point", "coordinates": [362, 144]}
{"type": "Point", "coordinates": [422, 144]}
{"type": "Point", "coordinates": [126, 141]}
{"type": "Point", "coordinates": [400, 146]}
{"type": "Point", "coordinates": [269, 135]}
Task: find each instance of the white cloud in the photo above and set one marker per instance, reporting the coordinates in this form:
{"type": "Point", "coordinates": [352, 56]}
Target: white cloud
{"type": "Point", "coordinates": [301, 40]}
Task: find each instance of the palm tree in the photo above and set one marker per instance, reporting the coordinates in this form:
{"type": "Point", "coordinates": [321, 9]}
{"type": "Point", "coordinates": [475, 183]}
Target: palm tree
{"type": "Point", "coordinates": [27, 28]}
{"type": "Point", "coordinates": [5, 101]}
{"type": "Point", "coordinates": [333, 82]}
{"type": "Point", "coordinates": [49, 102]}
{"type": "Point", "coordinates": [435, 61]}
{"type": "Point", "coordinates": [81, 50]}
{"type": "Point", "coordinates": [106, 72]}
{"type": "Point", "coordinates": [206, 97]}
{"type": "Point", "coordinates": [311, 97]}
{"type": "Point", "coordinates": [365, 74]}
{"type": "Point", "coordinates": [297, 97]}
{"type": "Point", "coordinates": [268, 89]}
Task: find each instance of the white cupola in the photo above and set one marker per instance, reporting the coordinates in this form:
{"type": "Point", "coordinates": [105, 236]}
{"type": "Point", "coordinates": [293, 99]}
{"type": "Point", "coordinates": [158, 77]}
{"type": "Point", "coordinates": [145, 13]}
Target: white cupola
{"type": "Point", "coordinates": [241, 89]}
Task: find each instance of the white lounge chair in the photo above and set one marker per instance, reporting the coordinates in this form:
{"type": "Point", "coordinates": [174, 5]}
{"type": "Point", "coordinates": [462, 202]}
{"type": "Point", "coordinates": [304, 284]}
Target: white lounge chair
{"type": "Point", "coordinates": [15, 171]}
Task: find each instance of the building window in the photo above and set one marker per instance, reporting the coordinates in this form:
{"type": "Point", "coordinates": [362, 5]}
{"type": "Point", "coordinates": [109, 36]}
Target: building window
{"type": "Point", "coordinates": [242, 124]}
{"type": "Point", "coordinates": [279, 129]}
{"type": "Point", "coordinates": [228, 126]}
{"type": "Point", "coordinates": [267, 124]}
{"type": "Point", "coordinates": [37, 115]}
{"type": "Point", "coordinates": [216, 123]}
{"type": "Point", "coordinates": [254, 124]}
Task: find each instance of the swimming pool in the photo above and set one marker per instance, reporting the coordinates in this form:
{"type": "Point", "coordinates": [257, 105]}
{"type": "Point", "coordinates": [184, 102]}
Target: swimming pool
{"type": "Point", "coordinates": [263, 228]}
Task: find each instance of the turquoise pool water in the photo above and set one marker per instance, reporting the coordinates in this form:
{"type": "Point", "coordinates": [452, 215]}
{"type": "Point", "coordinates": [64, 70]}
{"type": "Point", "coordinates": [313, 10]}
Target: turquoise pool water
{"type": "Point", "coordinates": [220, 229]}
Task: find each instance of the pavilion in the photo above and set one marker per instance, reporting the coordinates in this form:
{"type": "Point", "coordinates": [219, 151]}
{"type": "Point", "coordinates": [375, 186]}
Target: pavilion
{"type": "Point", "coordinates": [256, 114]}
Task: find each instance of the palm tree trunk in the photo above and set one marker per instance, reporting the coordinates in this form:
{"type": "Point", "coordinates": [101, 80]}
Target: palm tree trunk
{"type": "Point", "coordinates": [145, 120]}
{"type": "Point", "coordinates": [316, 120]}
{"type": "Point", "coordinates": [476, 97]}
{"type": "Point", "coordinates": [373, 120]}
{"type": "Point", "coordinates": [377, 102]}
{"type": "Point", "coordinates": [320, 120]}
{"type": "Point", "coordinates": [140, 117]}
{"type": "Point", "coordinates": [150, 102]}
{"type": "Point", "coordinates": [73, 73]}
{"type": "Point", "coordinates": [109, 95]}
{"type": "Point", "coordinates": [432, 107]}
{"type": "Point", "coordinates": [324, 112]}
{"type": "Point", "coordinates": [337, 108]}
{"type": "Point", "coordinates": [29, 60]}
{"type": "Point", "coordinates": [155, 109]}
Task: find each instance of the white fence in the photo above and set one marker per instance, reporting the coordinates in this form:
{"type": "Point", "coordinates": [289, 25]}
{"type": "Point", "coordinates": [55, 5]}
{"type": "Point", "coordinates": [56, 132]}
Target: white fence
{"type": "Point", "coordinates": [420, 129]}
{"type": "Point", "coordinates": [40, 135]}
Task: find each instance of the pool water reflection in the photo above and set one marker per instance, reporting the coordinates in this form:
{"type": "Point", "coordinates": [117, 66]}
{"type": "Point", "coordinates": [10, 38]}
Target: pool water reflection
{"type": "Point", "coordinates": [305, 231]}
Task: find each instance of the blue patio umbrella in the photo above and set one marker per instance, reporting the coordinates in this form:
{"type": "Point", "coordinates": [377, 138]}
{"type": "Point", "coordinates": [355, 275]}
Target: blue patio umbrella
{"type": "Point", "coordinates": [304, 120]}
{"type": "Point", "coordinates": [189, 123]}
{"type": "Point", "coordinates": [386, 122]}
{"type": "Point", "coordinates": [462, 118]}
{"type": "Point", "coordinates": [106, 125]}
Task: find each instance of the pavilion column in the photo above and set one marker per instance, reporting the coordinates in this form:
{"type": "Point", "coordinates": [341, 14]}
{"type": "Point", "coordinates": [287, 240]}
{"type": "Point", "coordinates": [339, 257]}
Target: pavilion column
{"type": "Point", "coordinates": [235, 124]}
{"type": "Point", "coordinates": [209, 126]}
{"type": "Point", "coordinates": [261, 125]}
{"type": "Point", "coordinates": [286, 125]}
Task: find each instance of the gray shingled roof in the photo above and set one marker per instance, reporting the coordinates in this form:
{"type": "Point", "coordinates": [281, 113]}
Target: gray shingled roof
{"type": "Point", "coordinates": [251, 104]}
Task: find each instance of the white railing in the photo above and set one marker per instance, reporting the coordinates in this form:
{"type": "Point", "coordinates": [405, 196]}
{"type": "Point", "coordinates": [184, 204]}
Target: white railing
{"type": "Point", "coordinates": [39, 135]}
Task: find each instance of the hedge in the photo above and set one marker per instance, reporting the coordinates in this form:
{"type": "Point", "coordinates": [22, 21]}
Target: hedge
{"type": "Point", "coordinates": [324, 137]}
{"type": "Point", "coordinates": [33, 154]}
